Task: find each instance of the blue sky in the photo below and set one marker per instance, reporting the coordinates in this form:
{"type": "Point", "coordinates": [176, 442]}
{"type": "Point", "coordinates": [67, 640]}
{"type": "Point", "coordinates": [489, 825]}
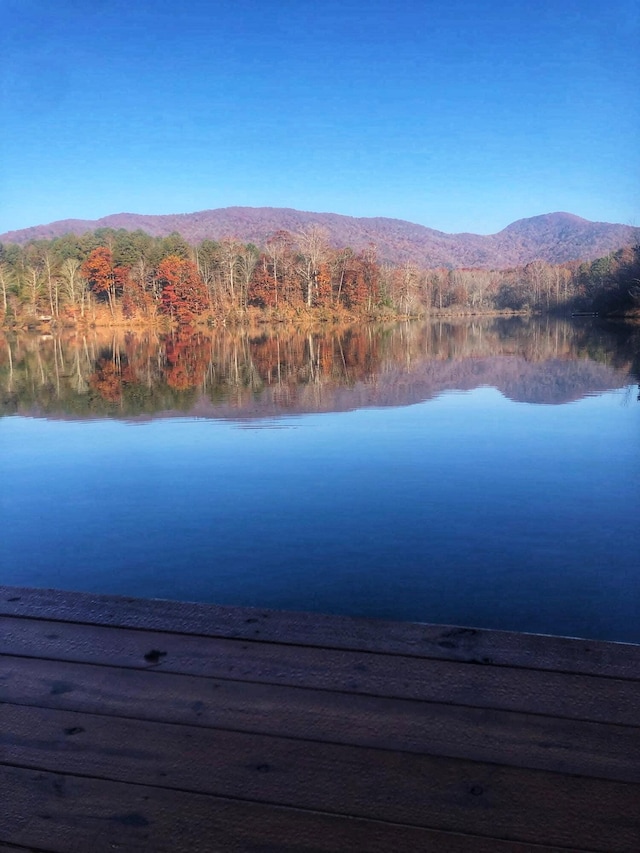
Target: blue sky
{"type": "Point", "coordinates": [463, 115]}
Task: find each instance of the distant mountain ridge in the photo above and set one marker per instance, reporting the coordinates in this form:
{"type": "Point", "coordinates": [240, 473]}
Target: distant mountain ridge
{"type": "Point", "coordinates": [551, 237]}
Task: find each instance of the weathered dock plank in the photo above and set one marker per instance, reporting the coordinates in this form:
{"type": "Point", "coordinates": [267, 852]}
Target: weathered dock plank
{"type": "Point", "coordinates": [514, 739]}
{"type": "Point", "coordinates": [154, 726]}
{"type": "Point", "coordinates": [441, 642]}
{"type": "Point", "coordinates": [114, 816]}
{"type": "Point", "coordinates": [417, 790]}
{"type": "Point", "coordinates": [14, 848]}
{"type": "Point", "coordinates": [541, 691]}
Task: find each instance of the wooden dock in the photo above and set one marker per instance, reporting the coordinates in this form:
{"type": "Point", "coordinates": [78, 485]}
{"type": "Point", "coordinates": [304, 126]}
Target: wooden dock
{"type": "Point", "coordinates": [149, 726]}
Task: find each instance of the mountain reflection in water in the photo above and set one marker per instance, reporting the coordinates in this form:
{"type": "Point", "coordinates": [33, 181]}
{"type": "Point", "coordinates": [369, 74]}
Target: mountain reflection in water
{"type": "Point", "coordinates": [266, 373]}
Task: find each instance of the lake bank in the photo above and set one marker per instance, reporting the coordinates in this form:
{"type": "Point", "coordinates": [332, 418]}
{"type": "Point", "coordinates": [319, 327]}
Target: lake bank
{"type": "Point", "coordinates": [249, 319]}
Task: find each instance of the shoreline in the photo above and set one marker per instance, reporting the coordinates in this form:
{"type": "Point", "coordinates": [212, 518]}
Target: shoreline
{"type": "Point", "coordinates": [251, 319]}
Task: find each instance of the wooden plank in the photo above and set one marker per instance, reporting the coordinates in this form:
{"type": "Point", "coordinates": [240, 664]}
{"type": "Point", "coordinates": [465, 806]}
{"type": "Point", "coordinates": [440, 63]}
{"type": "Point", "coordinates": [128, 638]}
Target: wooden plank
{"type": "Point", "coordinates": [13, 848]}
{"type": "Point", "coordinates": [68, 814]}
{"type": "Point", "coordinates": [435, 793]}
{"type": "Point", "coordinates": [338, 632]}
{"type": "Point", "coordinates": [518, 740]}
{"type": "Point", "coordinates": [590, 698]}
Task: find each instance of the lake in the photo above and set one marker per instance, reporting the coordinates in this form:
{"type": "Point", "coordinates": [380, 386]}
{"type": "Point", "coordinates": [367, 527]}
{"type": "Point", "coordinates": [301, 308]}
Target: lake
{"type": "Point", "coordinates": [480, 473]}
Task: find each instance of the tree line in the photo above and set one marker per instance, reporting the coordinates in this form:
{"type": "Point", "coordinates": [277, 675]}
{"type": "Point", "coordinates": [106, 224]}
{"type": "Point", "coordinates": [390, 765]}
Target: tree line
{"type": "Point", "coordinates": [112, 276]}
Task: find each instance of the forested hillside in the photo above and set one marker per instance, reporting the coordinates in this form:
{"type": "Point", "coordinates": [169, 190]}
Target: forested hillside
{"type": "Point", "coordinates": [110, 277]}
{"type": "Point", "coordinates": [554, 238]}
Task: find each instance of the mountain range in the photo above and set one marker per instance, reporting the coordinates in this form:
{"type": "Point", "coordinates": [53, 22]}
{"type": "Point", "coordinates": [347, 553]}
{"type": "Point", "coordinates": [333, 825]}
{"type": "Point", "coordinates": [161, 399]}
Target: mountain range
{"type": "Point", "coordinates": [552, 237]}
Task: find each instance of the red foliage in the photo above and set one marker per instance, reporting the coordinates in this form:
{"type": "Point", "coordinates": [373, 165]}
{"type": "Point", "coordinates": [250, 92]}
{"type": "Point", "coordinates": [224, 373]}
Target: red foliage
{"type": "Point", "coordinates": [183, 292]}
{"type": "Point", "coordinates": [324, 292]}
{"type": "Point", "coordinates": [187, 361]}
{"type": "Point", "coordinates": [362, 280]}
{"type": "Point", "coordinates": [105, 279]}
{"type": "Point", "coordinates": [98, 270]}
{"type": "Point", "coordinates": [262, 287]}
{"type": "Point", "coordinates": [106, 380]}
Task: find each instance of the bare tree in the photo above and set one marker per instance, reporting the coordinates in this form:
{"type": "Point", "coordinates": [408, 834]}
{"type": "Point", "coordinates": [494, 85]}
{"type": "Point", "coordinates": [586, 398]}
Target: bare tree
{"type": "Point", "coordinates": [53, 283]}
{"type": "Point", "coordinates": [278, 249]}
{"type": "Point", "coordinates": [4, 286]}
{"type": "Point", "coordinates": [408, 286]}
{"type": "Point", "coordinates": [313, 243]}
{"type": "Point", "coordinates": [33, 285]}
{"type": "Point", "coordinates": [247, 260]}
{"type": "Point", "coordinates": [73, 284]}
{"type": "Point", "coordinates": [229, 250]}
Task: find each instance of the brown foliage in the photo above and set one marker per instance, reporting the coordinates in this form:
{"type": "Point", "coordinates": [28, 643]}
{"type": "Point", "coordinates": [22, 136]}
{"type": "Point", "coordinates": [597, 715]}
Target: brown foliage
{"type": "Point", "coordinates": [183, 293]}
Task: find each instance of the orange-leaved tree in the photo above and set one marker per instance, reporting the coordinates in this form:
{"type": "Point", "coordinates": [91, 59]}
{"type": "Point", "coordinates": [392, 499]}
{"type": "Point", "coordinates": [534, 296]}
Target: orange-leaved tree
{"type": "Point", "coordinates": [99, 271]}
{"type": "Point", "coordinates": [183, 292]}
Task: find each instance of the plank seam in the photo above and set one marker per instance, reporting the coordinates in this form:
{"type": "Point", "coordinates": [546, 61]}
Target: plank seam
{"type": "Point", "coordinates": [321, 813]}
{"type": "Point", "coordinates": [213, 678]}
{"type": "Point", "coordinates": [339, 744]}
{"type": "Point", "coordinates": [112, 620]}
{"type": "Point", "coordinates": [334, 648]}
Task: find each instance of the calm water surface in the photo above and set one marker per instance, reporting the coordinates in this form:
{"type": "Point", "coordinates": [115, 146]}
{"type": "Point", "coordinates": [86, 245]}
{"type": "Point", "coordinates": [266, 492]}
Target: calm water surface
{"type": "Point", "coordinates": [477, 474]}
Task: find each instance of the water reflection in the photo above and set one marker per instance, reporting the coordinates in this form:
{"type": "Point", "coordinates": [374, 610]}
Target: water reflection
{"type": "Point", "coordinates": [266, 373]}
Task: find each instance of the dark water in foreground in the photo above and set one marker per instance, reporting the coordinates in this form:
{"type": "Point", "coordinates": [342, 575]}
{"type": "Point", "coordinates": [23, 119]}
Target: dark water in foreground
{"type": "Point", "coordinates": [478, 474]}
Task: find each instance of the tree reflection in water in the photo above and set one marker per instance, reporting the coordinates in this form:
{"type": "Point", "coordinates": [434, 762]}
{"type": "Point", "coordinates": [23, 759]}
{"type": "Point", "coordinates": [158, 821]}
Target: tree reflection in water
{"type": "Point", "coordinates": [270, 371]}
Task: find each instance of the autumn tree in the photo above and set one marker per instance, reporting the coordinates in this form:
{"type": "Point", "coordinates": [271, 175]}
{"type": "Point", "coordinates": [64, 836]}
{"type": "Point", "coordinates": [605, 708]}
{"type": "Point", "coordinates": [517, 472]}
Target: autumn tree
{"type": "Point", "coordinates": [137, 294]}
{"type": "Point", "coordinates": [323, 285]}
{"type": "Point", "coordinates": [183, 293]}
{"type": "Point", "coordinates": [263, 287]}
{"type": "Point", "coordinates": [355, 288]}
{"type": "Point", "coordinates": [362, 281]}
{"type": "Point", "coordinates": [98, 269]}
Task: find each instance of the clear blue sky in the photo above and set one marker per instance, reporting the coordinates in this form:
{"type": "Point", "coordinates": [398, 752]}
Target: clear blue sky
{"type": "Point", "coordinates": [462, 115]}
